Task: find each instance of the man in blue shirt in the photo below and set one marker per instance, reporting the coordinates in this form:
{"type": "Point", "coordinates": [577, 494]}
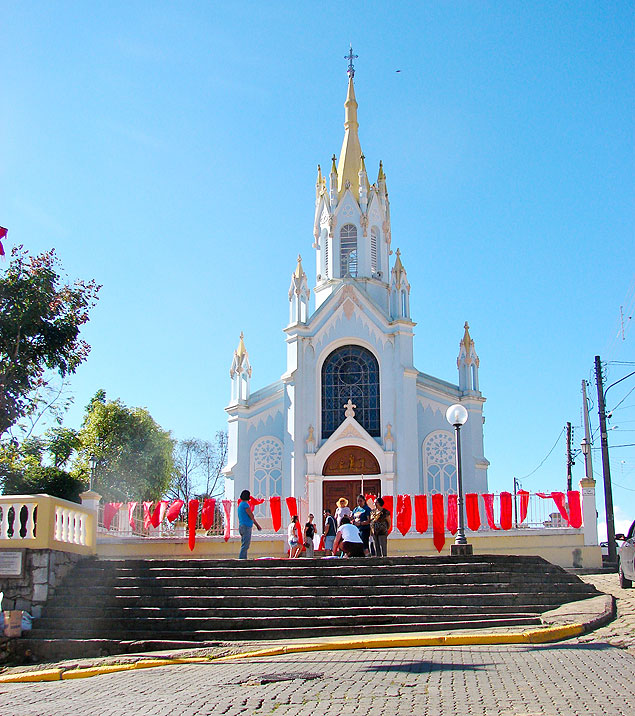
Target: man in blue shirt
{"type": "Point", "coordinates": [246, 521]}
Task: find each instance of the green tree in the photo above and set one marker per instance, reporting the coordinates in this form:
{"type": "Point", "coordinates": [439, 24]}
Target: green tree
{"type": "Point", "coordinates": [133, 454]}
{"type": "Point", "coordinates": [40, 318]}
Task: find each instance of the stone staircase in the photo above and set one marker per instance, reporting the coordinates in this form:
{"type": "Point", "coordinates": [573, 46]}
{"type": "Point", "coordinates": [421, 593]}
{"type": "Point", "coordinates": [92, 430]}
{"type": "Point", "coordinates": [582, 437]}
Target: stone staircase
{"type": "Point", "coordinates": [117, 606]}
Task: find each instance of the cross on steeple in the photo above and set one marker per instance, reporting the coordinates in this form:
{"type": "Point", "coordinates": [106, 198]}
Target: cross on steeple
{"type": "Point", "coordinates": [350, 57]}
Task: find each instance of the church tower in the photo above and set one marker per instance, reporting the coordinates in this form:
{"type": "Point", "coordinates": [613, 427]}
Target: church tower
{"type": "Point", "coordinates": [352, 218]}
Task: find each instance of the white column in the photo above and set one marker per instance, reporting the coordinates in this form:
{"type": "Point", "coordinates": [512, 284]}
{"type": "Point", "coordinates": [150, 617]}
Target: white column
{"type": "Point", "coordinates": [589, 511]}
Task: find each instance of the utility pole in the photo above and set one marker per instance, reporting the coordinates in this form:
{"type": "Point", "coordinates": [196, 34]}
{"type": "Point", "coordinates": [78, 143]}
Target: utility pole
{"type": "Point", "coordinates": [606, 469]}
{"type": "Point", "coordinates": [586, 446]}
{"type": "Point", "coordinates": [569, 458]}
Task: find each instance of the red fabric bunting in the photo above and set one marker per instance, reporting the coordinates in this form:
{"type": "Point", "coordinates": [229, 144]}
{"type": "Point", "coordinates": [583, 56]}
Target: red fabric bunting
{"type": "Point", "coordinates": [438, 528]}
{"type": "Point", "coordinates": [404, 514]}
{"type": "Point", "coordinates": [276, 513]}
{"type": "Point", "coordinates": [421, 513]}
{"type": "Point", "coordinates": [488, 501]}
{"type": "Point", "coordinates": [110, 510]}
{"type": "Point", "coordinates": [388, 505]}
{"type": "Point", "coordinates": [322, 540]}
{"type": "Point", "coordinates": [174, 510]}
{"type": "Point", "coordinates": [471, 511]}
{"type": "Point", "coordinates": [147, 515]}
{"type": "Point", "coordinates": [524, 504]}
{"type": "Point", "coordinates": [558, 498]}
{"type": "Point", "coordinates": [292, 506]}
{"type": "Point", "coordinates": [506, 510]}
{"type": "Point", "coordinates": [453, 514]}
{"type": "Point", "coordinates": [159, 513]}
{"type": "Point", "coordinates": [192, 516]}
{"type": "Point", "coordinates": [575, 509]}
{"type": "Point", "coordinates": [227, 507]}
{"type": "Point", "coordinates": [207, 513]}
{"type": "Point", "coordinates": [131, 508]}
{"type": "Point", "coordinates": [253, 501]}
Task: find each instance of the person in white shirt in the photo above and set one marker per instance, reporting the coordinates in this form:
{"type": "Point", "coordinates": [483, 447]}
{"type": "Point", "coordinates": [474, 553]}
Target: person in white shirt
{"type": "Point", "coordinates": [343, 510]}
{"type": "Point", "coordinates": [348, 540]}
{"type": "Point", "coordinates": [293, 537]}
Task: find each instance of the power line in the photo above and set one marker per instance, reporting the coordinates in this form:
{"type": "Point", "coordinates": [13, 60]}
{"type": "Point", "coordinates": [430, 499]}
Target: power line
{"type": "Point", "coordinates": [545, 458]}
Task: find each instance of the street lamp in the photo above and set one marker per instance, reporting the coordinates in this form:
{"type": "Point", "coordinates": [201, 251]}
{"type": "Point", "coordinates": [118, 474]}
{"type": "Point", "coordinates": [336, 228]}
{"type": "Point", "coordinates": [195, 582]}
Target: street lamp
{"type": "Point", "coordinates": [457, 415]}
{"type": "Point", "coordinates": [92, 463]}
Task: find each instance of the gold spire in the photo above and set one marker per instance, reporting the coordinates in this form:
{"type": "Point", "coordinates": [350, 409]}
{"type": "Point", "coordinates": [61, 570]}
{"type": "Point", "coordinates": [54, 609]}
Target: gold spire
{"type": "Point", "coordinates": [348, 167]}
{"type": "Point", "coordinates": [319, 176]}
{"type": "Point", "coordinates": [467, 339]}
{"type": "Point", "coordinates": [398, 265]}
{"type": "Point", "coordinates": [241, 350]}
{"type": "Point", "coordinates": [381, 176]}
{"type": "Point", "coordinates": [362, 164]}
{"type": "Point", "coordinates": [333, 167]}
{"type": "Point", "coordinates": [299, 271]}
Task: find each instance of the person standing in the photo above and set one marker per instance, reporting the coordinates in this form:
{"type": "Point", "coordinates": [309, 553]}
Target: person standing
{"type": "Point", "coordinates": [343, 510]}
{"type": "Point", "coordinates": [380, 527]}
{"type": "Point", "coordinates": [330, 529]}
{"type": "Point", "coordinates": [309, 534]}
{"type": "Point", "coordinates": [246, 521]}
{"type": "Point", "coordinates": [361, 520]}
{"type": "Point", "coordinates": [293, 537]}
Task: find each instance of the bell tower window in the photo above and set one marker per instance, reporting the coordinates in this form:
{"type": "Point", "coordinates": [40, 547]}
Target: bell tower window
{"type": "Point", "coordinates": [348, 250]}
{"type": "Point", "coordinates": [373, 249]}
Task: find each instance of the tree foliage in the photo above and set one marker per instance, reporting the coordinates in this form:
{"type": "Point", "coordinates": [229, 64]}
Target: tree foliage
{"type": "Point", "coordinates": [198, 468]}
{"type": "Point", "coordinates": [40, 319]}
{"type": "Point", "coordinates": [133, 454]}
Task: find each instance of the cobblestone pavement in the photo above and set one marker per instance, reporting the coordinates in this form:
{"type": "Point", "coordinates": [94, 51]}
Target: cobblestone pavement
{"type": "Point", "coordinates": [564, 679]}
{"type": "Point", "coordinates": [621, 631]}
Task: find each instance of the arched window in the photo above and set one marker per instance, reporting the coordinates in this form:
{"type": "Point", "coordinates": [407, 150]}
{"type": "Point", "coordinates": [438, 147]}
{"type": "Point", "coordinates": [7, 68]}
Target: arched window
{"type": "Point", "coordinates": [350, 372]}
{"type": "Point", "coordinates": [439, 460]}
{"type": "Point", "coordinates": [374, 234]}
{"type": "Point", "coordinates": [266, 471]}
{"type": "Point", "coordinates": [348, 250]}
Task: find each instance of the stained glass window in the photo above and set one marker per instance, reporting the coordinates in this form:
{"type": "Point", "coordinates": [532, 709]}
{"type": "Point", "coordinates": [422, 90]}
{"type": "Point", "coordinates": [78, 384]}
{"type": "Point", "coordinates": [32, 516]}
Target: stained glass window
{"type": "Point", "coordinates": [350, 372]}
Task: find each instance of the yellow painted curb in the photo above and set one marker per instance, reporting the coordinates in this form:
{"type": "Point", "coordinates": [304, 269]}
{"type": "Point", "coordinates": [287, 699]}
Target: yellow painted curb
{"type": "Point", "coordinates": [538, 636]}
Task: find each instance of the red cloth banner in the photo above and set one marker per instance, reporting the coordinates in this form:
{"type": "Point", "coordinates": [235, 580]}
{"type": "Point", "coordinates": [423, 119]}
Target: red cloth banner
{"type": "Point", "coordinates": [524, 504]}
{"type": "Point", "coordinates": [253, 501]}
{"type": "Point", "coordinates": [322, 540]}
{"type": "Point", "coordinates": [174, 510]}
{"type": "Point", "coordinates": [131, 507]}
{"type": "Point", "coordinates": [192, 516]}
{"type": "Point", "coordinates": [276, 512]}
{"type": "Point", "coordinates": [147, 515]}
{"type": "Point", "coordinates": [159, 513]}
{"type": "Point", "coordinates": [471, 511]}
{"type": "Point", "coordinates": [438, 528]}
{"type": "Point", "coordinates": [506, 510]}
{"type": "Point", "coordinates": [421, 513]}
{"type": "Point", "coordinates": [453, 514]}
{"type": "Point", "coordinates": [575, 509]}
{"type": "Point", "coordinates": [227, 508]}
{"type": "Point", "coordinates": [558, 498]}
{"type": "Point", "coordinates": [110, 510]}
{"type": "Point", "coordinates": [388, 505]}
{"type": "Point", "coordinates": [404, 514]}
{"type": "Point", "coordinates": [207, 513]}
{"type": "Point", "coordinates": [488, 501]}
{"type": "Point", "coordinates": [292, 506]}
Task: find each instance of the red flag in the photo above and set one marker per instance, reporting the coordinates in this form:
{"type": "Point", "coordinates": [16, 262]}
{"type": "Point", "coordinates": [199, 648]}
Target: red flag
{"type": "Point", "coordinates": [147, 516]}
{"type": "Point", "coordinates": [3, 233]}
{"type": "Point", "coordinates": [524, 503]}
{"type": "Point", "coordinates": [388, 505]}
{"type": "Point", "coordinates": [404, 514]}
{"type": "Point", "coordinates": [488, 501]}
{"type": "Point", "coordinates": [471, 510]}
{"type": "Point", "coordinates": [110, 510]}
{"type": "Point", "coordinates": [227, 506]}
{"type": "Point", "coordinates": [174, 510]}
{"type": "Point", "coordinates": [292, 506]}
{"type": "Point", "coordinates": [207, 513]}
{"type": "Point", "coordinates": [575, 509]}
{"type": "Point", "coordinates": [438, 528]}
{"type": "Point", "coordinates": [192, 516]}
{"type": "Point", "coordinates": [158, 514]}
{"type": "Point", "coordinates": [453, 514]}
{"type": "Point", "coordinates": [253, 501]}
{"type": "Point", "coordinates": [276, 512]}
{"type": "Point", "coordinates": [558, 498]}
{"type": "Point", "coordinates": [506, 510]}
{"type": "Point", "coordinates": [421, 513]}
{"type": "Point", "coordinates": [131, 506]}
{"type": "Point", "coordinates": [322, 541]}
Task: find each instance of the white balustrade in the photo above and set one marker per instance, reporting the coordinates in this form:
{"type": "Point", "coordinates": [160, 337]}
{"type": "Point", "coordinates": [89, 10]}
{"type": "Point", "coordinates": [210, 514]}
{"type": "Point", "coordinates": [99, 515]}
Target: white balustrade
{"type": "Point", "coordinates": [12, 525]}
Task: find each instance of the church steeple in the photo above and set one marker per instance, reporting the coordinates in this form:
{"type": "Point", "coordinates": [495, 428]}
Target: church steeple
{"type": "Point", "coordinates": [467, 362]}
{"type": "Point", "coordinates": [399, 291]}
{"type": "Point", "coordinates": [299, 294]}
{"type": "Point", "coordinates": [240, 372]}
{"type": "Point", "coordinates": [349, 163]}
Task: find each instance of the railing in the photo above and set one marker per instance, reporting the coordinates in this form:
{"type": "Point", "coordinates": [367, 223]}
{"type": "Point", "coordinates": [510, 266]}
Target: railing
{"type": "Point", "coordinates": [45, 522]}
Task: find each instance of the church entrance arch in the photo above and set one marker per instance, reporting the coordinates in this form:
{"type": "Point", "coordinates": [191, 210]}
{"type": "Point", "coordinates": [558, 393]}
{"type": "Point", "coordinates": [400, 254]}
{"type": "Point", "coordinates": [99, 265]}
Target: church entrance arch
{"type": "Point", "coordinates": [354, 461]}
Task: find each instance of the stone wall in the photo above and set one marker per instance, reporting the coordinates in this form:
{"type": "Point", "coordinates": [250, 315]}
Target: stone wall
{"type": "Point", "coordinates": [43, 571]}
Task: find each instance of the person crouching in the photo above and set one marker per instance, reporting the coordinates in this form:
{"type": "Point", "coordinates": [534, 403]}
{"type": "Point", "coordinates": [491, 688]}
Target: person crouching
{"type": "Point", "coordinates": [348, 540]}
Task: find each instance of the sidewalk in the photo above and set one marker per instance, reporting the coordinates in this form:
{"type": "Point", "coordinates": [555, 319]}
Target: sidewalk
{"type": "Point", "coordinates": [621, 631]}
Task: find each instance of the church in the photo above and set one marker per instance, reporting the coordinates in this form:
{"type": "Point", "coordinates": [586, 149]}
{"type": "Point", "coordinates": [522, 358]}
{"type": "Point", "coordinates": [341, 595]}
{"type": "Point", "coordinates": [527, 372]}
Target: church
{"type": "Point", "coordinates": [351, 413]}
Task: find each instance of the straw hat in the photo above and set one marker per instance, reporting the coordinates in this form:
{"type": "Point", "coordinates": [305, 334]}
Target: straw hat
{"type": "Point", "coordinates": [342, 502]}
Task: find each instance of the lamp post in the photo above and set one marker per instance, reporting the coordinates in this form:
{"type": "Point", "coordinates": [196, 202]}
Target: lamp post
{"type": "Point", "coordinates": [92, 463]}
{"type": "Point", "coordinates": [456, 415]}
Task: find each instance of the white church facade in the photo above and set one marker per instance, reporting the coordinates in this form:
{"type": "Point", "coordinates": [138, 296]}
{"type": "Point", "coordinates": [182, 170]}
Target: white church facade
{"type": "Point", "coordinates": [351, 412]}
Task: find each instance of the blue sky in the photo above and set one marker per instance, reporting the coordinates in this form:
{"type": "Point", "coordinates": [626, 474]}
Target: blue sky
{"type": "Point", "coordinates": [169, 150]}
